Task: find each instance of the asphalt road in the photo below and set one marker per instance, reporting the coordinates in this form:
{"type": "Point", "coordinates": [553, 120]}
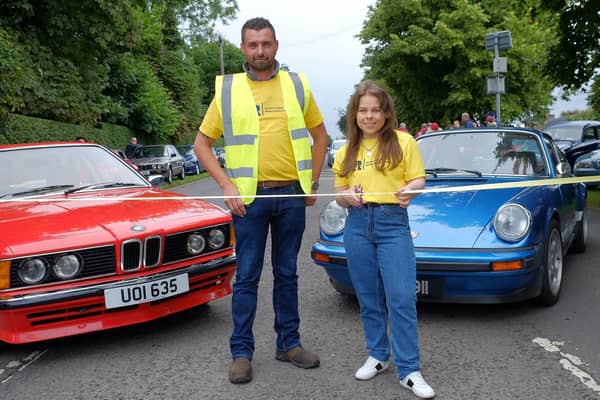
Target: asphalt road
{"type": "Point", "coordinates": [515, 351]}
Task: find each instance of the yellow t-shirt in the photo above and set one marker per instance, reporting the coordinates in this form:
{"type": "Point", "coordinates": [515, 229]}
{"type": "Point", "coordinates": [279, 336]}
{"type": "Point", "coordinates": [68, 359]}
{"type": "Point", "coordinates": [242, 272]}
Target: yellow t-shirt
{"type": "Point", "coordinates": [275, 154]}
{"type": "Point", "coordinates": [374, 181]}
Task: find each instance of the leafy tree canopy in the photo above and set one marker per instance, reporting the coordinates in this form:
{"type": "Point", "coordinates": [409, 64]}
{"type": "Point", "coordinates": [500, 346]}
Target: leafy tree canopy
{"type": "Point", "coordinates": [574, 59]}
{"type": "Point", "coordinates": [432, 56]}
{"type": "Point", "coordinates": [132, 62]}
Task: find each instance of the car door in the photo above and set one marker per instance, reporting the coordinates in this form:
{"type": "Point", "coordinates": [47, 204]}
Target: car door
{"type": "Point", "coordinates": [567, 203]}
{"type": "Point", "coordinates": [175, 159]}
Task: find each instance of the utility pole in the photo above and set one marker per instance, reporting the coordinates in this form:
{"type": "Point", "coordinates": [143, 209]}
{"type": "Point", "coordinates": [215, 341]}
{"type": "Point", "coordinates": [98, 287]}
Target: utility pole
{"type": "Point", "coordinates": [497, 41]}
{"type": "Point", "coordinates": [220, 40]}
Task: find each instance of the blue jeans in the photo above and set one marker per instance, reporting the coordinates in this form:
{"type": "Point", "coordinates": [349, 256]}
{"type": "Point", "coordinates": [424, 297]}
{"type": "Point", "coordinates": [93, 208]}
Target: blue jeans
{"type": "Point", "coordinates": [285, 216]}
{"type": "Point", "coordinates": [382, 266]}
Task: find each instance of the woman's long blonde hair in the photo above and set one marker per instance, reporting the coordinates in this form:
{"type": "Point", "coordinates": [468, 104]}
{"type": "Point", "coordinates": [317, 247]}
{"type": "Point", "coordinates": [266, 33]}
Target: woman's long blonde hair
{"type": "Point", "coordinates": [389, 153]}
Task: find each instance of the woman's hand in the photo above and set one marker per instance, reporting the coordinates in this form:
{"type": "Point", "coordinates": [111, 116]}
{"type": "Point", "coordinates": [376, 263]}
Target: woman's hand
{"type": "Point", "coordinates": [404, 195]}
{"type": "Point", "coordinates": [347, 197]}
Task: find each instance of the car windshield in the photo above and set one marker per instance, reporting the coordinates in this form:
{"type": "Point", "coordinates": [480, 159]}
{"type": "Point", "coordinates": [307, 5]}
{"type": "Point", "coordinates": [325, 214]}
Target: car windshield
{"type": "Point", "coordinates": [486, 153]}
{"type": "Point", "coordinates": [42, 170]}
{"type": "Point", "coordinates": [151, 151]}
{"type": "Point", "coordinates": [572, 133]}
{"type": "Point", "coordinates": [336, 145]}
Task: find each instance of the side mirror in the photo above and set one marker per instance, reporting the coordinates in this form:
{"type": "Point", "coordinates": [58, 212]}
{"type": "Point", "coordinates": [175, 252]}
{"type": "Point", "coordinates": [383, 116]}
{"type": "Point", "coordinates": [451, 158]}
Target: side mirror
{"type": "Point", "coordinates": [563, 168]}
{"type": "Point", "coordinates": [156, 180]}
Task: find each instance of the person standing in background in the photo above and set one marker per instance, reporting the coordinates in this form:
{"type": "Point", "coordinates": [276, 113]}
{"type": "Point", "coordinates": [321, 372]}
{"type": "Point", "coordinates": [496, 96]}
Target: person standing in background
{"type": "Point", "coordinates": [131, 147]}
{"type": "Point", "coordinates": [467, 122]}
{"type": "Point", "coordinates": [268, 118]}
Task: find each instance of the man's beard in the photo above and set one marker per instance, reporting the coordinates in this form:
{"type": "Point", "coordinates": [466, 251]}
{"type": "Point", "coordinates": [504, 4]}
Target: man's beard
{"type": "Point", "coordinates": [263, 64]}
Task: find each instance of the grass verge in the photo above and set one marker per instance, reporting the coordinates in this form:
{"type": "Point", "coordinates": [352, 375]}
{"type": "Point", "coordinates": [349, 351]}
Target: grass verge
{"type": "Point", "coordinates": [593, 200]}
{"type": "Point", "coordinates": [185, 181]}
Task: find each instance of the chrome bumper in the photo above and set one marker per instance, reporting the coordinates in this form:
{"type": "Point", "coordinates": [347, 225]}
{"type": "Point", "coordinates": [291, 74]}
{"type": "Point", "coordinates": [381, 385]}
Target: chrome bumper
{"type": "Point", "coordinates": [96, 290]}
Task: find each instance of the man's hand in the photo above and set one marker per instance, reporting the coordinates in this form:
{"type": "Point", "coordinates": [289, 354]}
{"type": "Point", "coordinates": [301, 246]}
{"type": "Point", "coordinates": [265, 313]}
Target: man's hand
{"type": "Point", "coordinates": [233, 201]}
{"type": "Point", "coordinates": [310, 200]}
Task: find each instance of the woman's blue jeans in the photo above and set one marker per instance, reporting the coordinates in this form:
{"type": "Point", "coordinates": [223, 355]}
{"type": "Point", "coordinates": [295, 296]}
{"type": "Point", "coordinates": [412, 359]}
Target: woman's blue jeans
{"type": "Point", "coordinates": [286, 218]}
{"type": "Point", "coordinates": [382, 266]}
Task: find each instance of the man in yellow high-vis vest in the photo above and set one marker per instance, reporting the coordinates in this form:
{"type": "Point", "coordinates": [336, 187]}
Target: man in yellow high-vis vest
{"type": "Point", "coordinates": [268, 119]}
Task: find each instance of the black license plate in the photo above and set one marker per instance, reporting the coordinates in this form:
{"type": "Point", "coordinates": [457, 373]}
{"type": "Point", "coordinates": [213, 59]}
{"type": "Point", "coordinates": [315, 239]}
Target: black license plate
{"type": "Point", "coordinates": [430, 287]}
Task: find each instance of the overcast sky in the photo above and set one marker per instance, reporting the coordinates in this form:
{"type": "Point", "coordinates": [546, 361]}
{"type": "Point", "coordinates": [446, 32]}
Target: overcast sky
{"type": "Point", "coordinates": [318, 37]}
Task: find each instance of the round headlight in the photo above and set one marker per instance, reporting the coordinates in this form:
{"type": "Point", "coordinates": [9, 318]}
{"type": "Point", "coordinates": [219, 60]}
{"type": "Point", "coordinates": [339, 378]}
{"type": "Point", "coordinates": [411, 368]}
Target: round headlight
{"type": "Point", "coordinates": [333, 218]}
{"type": "Point", "coordinates": [67, 266]}
{"type": "Point", "coordinates": [195, 243]}
{"type": "Point", "coordinates": [512, 222]}
{"type": "Point", "coordinates": [216, 239]}
{"type": "Point", "coordinates": [32, 271]}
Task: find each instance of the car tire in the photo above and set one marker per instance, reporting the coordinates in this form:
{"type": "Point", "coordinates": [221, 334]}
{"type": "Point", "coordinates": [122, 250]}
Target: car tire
{"type": "Point", "coordinates": [342, 289]}
{"type": "Point", "coordinates": [580, 240]}
{"type": "Point", "coordinates": [169, 177]}
{"type": "Point", "coordinates": [196, 169]}
{"type": "Point", "coordinates": [552, 266]}
{"type": "Point", "coordinates": [182, 174]}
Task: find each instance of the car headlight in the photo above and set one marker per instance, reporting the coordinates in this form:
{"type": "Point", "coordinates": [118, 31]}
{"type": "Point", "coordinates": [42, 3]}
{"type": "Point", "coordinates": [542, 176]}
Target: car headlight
{"type": "Point", "coordinates": [216, 239]}
{"type": "Point", "coordinates": [333, 218]}
{"type": "Point", "coordinates": [195, 243]}
{"type": "Point", "coordinates": [32, 271]}
{"type": "Point", "coordinates": [67, 266]}
{"type": "Point", "coordinates": [512, 222]}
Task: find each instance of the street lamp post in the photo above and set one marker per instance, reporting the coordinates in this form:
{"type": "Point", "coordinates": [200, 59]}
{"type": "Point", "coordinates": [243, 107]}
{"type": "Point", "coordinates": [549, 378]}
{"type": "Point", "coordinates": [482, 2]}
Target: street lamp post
{"type": "Point", "coordinates": [497, 41]}
{"type": "Point", "coordinates": [220, 39]}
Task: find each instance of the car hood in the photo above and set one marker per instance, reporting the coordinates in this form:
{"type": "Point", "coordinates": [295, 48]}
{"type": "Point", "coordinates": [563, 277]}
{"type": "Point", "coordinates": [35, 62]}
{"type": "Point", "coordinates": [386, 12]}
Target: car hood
{"type": "Point", "coordinates": [564, 144]}
{"type": "Point", "coordinates": [45, 226]}
{"type": "Point", "coordinates": [455, 219]}
{"type": "Point", "coordinates": [151, 160]}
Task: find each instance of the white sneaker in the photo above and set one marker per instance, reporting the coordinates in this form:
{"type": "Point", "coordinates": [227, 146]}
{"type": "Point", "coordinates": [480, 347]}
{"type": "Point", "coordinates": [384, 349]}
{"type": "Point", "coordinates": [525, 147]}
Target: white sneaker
{"type": "Point", "coordinates": [370, 368]}
{"type": "Point", "coordinates": [415, 382]}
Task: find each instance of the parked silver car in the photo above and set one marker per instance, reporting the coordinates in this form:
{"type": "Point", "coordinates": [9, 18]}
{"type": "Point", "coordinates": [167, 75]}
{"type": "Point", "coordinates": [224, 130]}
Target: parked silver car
{"type": "Point", "coordinates": [162, 159]}
{"type": "Point", "coordinates": [335, 146]}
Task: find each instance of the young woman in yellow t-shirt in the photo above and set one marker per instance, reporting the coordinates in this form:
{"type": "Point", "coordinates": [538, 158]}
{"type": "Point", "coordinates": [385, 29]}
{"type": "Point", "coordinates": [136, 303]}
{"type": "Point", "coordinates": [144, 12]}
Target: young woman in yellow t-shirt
{"type": "Point", "coordinates": [372, 172]}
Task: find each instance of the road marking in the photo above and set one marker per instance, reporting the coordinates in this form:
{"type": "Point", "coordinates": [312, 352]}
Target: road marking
{"type": "Point", "coordinates": [19, 365]}
{"type": "Point", "coordinates": [569, 362]}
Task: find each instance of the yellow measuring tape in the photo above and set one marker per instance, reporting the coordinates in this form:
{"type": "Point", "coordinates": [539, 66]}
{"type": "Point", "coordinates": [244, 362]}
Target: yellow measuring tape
{"type": "Point", "coordinates": [465, 188]}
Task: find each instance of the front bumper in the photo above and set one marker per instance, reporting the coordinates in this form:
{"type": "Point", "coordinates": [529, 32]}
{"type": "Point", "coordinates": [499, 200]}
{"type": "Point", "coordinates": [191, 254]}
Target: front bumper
{"type": "Point", "coordinates": [452, 276]}
{"type": "Point", "coordinates": [54, 314]}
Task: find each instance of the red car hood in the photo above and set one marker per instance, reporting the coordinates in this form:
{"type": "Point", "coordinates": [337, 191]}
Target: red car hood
{"type": "Point", "coordinates": [46, 226]}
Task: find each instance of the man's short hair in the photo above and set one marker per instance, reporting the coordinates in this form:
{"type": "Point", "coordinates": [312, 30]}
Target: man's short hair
{"type": "Point", "coordinates": [257, 24]}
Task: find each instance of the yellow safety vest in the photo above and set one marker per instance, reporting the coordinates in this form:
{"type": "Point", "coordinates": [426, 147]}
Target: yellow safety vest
{"type": "Point", "coordinates": [237, 107]}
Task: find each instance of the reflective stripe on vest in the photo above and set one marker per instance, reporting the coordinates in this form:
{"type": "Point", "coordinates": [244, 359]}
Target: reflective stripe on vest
{"type": "Point", "coordinates": [240, 134]}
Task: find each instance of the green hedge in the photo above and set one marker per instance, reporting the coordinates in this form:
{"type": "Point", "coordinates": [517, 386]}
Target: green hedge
{"type": "Point", "coordinates": [24, 129]}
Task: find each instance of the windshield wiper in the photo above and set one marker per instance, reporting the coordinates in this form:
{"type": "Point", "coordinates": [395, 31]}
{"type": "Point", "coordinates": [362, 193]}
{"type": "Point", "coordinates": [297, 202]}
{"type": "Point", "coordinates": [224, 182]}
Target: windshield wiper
{"type": "Point", "coordinates": [39, 190]}
{"type": "Point", "coordinates": [102, 185]}
{"type": "Point", "coordinates": [436, 171]}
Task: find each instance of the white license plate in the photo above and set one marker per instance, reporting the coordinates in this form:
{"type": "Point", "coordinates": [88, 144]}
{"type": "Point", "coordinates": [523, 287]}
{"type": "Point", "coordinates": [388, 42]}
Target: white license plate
{"type": "Point", "coordinates": [145, 292]}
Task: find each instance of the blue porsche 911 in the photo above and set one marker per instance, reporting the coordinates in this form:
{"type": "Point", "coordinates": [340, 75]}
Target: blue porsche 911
{"type": "Point", "coordinates": [486, 230]}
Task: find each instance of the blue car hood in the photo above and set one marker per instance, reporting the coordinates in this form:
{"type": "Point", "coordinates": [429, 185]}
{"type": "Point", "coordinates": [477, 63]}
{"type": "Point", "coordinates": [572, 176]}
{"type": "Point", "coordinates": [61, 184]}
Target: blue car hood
{"type": "Point", "coordinates": [455, 219]}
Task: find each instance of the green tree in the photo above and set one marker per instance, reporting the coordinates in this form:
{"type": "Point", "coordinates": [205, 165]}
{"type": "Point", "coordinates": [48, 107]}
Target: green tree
{"type": "Point", "coordinates": [205, 56]}
{"type": "Point", "coordinates": [123, 61]}
{"type": "Point", "coordinates": [432, 56]}
{"type": "Point", "coordinates": [574, 59]}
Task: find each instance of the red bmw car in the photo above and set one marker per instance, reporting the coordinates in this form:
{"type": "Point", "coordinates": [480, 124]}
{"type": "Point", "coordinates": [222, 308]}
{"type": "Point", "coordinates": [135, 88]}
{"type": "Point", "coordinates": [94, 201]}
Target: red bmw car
{"type": "Point", "coordinates": [87, 243]}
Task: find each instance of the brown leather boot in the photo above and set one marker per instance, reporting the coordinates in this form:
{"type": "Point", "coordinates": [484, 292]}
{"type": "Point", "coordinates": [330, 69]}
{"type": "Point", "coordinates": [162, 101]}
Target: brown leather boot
{"type": "Point", "coordinates": [300, 357]}
{"type": "Point", "coordinates": [240, 371]}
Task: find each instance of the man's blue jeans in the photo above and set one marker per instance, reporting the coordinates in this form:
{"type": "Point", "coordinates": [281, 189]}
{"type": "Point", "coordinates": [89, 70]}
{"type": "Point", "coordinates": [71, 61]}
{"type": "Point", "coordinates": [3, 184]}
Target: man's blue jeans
{"type": "Point", "coordinates": [382, 266]}
{"type": "Point", "coordinates": [285, 216]}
